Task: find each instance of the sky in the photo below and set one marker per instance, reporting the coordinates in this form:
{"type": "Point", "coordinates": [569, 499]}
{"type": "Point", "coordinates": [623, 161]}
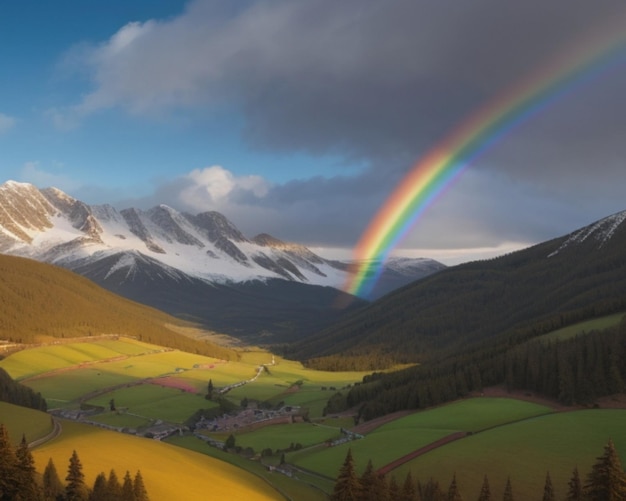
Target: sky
{"type": "Point", "coordinates": [298, 119]}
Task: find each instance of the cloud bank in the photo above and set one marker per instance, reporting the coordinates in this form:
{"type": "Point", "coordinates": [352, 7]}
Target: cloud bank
{"type": "Point", "coordinates": [379, 83]}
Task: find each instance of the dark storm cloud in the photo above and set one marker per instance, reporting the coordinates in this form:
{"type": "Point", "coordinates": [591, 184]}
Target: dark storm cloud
{"type": "Point", "coordinates": [381, 82]}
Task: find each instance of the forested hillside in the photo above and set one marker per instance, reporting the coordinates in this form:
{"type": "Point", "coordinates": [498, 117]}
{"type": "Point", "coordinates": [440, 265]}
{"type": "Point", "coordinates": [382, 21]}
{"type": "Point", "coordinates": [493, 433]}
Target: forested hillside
{"type": "Point", "coordinates": [574, 371]}
{"type": "Point", "coordinates": [527, 293]}
{"type": "Point", "coordinates": [40, 302]}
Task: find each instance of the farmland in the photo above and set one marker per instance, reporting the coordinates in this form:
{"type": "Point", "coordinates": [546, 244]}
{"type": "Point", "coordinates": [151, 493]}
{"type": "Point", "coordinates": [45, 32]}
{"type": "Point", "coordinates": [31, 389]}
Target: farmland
{"type": "Point", "coordinates": [525, 451]}
{"type": "Point", "coordinates": [148, 384]}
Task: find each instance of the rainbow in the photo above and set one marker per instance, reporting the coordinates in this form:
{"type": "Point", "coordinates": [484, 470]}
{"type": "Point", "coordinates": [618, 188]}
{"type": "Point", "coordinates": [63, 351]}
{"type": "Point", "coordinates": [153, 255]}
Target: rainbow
{"type": "Point", "coordinates": [447, 160]}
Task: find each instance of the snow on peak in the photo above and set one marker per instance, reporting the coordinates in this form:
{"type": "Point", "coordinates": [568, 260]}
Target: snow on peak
{"type": "Point", "coordinates": [602, 231]}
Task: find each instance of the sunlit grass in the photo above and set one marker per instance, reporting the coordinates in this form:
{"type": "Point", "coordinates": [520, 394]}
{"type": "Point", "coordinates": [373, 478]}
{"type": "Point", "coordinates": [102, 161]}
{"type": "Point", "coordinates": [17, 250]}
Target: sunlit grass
{"type": "Point", "coordinates": [21, 420]}
{"type": "Point", "coordinates": [169, 472]}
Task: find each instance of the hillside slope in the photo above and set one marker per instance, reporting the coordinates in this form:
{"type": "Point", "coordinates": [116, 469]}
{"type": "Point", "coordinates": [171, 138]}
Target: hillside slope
{"type": "Point", "coordinates": [577, 276]}
{"type": "Point", "coordinates": [40, 302]}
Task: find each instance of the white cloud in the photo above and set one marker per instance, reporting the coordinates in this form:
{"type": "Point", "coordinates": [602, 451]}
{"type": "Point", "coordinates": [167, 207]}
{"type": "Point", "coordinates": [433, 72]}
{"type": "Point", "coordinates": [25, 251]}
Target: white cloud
{"type": "Point", "coordinates": [6, 123]}
{"type": "Point", "coordinates": [213, 187]}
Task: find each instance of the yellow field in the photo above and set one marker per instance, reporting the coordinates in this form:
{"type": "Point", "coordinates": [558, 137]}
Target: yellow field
{"type": "Point", "coordinates": [169, 472]}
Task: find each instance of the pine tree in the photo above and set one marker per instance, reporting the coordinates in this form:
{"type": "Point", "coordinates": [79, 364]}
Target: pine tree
{"type": "Point", "coordinates": [606, 481]}
{"type": "Point", "coordinates": [380, 489]}
{"type": "Point", "coordinates": [430, 491]}
{"type": "Point", "coordinates": [9, 481]}
{"type": "Point", "coordinates": [100, 490]}
{"type": "Point", "coordinates": [485, 491]}
{"type": "Point", "coordinates": [394, 489]}
{"type": "Point", "coordinates": [508, 491]}
{"type": "Point", "coordinates": [453, 491]}
{"type": "Point", "coordinates": [368, 482]}
{"type": "Point", "coordinates": [52, 486]}
{"type": "Point", "coordinates": [114, 487]}
{"type": "Point", "coordinates": [548, 490]}
{"type": "Point", "coordinates": [28, 487]}
{"type": "Point", "coordinates": [209, 394]}
{"type": "Point", "coordinates": [141, 494]}
{"type": "Point", "coordinates": [575, 491]}
{"type": "Point", "coordinates": [347, 487]}
{"type": "Point", "coordinates": [408, 491]}
{"type": "Point", "coordinates": [128, 493]}
{"type": "Point", "coordinates": [75, 490]}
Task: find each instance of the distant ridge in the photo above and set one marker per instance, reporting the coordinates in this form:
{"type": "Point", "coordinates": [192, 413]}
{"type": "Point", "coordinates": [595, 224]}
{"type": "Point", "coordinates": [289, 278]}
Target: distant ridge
{"type": "Point", "coordinates": [575, 277]}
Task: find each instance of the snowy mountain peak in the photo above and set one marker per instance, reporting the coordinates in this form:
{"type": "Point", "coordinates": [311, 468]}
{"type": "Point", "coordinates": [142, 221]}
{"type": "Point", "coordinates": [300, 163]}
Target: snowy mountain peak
{"type": "Point", "coordinates": [147, 245]}
{"type": "Point", "coordinates": [598, 233]}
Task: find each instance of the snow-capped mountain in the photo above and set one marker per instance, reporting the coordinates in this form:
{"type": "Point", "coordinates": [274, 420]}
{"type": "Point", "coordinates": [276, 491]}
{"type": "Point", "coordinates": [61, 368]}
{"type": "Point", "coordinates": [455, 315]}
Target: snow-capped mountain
{"type": "Point", "coordinates": [51, 226]}
{"type": "Point", "coordinates": [199, 266]}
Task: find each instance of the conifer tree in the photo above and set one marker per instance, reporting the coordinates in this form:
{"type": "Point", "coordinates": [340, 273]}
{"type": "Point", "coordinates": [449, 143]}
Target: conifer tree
{"type": "Point", "coordinates": [606, 481]}
{"type": "Point", "coordinates": [430, 491]}
{"type": "Point", "coordinates": [380, 489]}
{"type": "Point", "coordinates": [508, 491]}
{"type": "Point", "coordinates": [8, 471]}
{"type": "Point", "coordinates": [141, 494]}
{"type": "Point", "coordinates": [128, 493]}
{"type": "Point", "coordinates": [75, 489]}
{"type": "Point", "coordinates": [100, 491]}
{"type": "Point", "coordinates": [408, 491]}
{"type": "Point", "coordinates": [347, 487]}
{"type": "Point", "coordinates": [114, 487]}
{"type": "Point", "coordinates": [453, 491]}
{"type": "Point", "coordinates": [52, 486]}
{"type": "Point", "coordinates": [27, 485]}
{"type": "Point", "coordinates": [575, 487]}
{"type": "Point", "coordinates": [368, 481]}
{"type": "Point", "coordinates": [394, 489]}
{"type": "Point", "coordinates": [548, 490]}
{"type": "Point", "coordinates": [485, 491]}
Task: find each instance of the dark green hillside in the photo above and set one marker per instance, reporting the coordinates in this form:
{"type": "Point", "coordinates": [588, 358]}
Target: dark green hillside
{"type": "Point", "coordinates": [39, 302]}
{"type": "Point", "coordinates": [525, 293]}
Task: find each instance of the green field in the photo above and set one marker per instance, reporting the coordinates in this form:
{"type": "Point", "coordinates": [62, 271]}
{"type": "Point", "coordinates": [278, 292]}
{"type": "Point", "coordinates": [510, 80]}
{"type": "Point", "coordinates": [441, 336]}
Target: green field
{"type": "Point", "coordinates": [404, 435]}
{"type": "Point", "coordinates": [584, 327]}
{"type": "Point", "coordinates": [302, 487]}
{"type": "Point", "coordinates": [155, 402]}
{"type": "Point", "coordinates": [281, 436]}
{"type": "Point", "coordinates": [33, 361]}
{"type": "Point", "coordinates": [33, 424]}
{"type": "Point", "coordinates": [526, 451]}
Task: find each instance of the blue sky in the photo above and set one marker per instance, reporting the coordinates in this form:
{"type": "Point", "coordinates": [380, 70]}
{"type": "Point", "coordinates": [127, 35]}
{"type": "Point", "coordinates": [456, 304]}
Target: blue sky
{"type": "Point", "coordinates": [298, 118]}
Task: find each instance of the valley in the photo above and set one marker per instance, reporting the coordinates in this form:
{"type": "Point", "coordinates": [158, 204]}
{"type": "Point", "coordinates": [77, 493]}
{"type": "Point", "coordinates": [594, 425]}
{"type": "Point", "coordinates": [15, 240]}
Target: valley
{"type": "Point", "coordinates": [104, 391]}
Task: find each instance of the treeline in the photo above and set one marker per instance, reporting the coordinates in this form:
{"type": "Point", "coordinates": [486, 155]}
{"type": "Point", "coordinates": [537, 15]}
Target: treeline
{"type": "Point", "coordinates": [605, 482]}
{"type": "Point", "coordinates": [18, 394]}
{"type": "Point", "coordinates": [525, 293]}
{"type": "Point", "coordinates": [19, 480]}
{"type": "Point", "coordinates": [39, 302]}
{"type": "Point", "coordinates": [574, 371]}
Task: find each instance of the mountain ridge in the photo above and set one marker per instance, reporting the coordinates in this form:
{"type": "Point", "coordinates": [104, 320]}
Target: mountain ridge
{"type": "Point", "coordinates": [570, 278]}
{"type": "Point", "coordinates": [194, 266]}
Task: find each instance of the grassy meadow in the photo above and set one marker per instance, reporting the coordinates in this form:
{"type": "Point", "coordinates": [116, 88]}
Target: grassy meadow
{"type": "Point", "coordinates": [507, 436]}
{"type": "Point", "coordinates": [403, 436]}
{"type": "Point", "coordinates": [169, 472]}
{"type": "Point", "coordinates": [21, 420]}
{"type": "Point", "coordinates": [525, 451]}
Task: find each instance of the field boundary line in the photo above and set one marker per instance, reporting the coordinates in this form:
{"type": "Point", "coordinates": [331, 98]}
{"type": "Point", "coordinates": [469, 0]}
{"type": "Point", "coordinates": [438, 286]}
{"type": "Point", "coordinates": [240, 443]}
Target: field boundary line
{"type": "Point", "coordinates": [57, 429]}
{"type": "Point", "coordinates": [422, 450]}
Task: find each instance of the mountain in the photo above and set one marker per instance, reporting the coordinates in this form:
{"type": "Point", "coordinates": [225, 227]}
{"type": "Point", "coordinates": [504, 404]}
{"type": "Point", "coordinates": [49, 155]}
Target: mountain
{"type": "Point", "coordinates": [525, 293]}
{"type": "Point", "coordinates": [198, 266]}
{"type": "Point", "coordinates": [41, 302]}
